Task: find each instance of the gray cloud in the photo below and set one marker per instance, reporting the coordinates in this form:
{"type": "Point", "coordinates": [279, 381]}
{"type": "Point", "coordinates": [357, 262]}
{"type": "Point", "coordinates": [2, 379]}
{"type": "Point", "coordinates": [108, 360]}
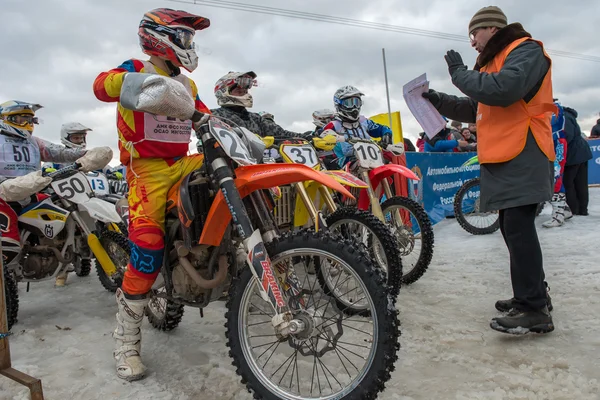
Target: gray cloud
{"type": "Point", "coordinates": [61, 45]}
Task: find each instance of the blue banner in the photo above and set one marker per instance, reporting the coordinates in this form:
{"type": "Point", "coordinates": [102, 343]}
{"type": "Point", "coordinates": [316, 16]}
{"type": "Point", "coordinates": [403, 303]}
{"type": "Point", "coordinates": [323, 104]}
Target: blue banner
{"type": "Point", "coordinates": [594, 163]}
{"type": "Point", "coordinates": [441, 176]}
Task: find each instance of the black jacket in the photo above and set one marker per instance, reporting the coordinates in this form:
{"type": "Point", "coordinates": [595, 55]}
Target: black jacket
{"type": "Point", "coordinates": [578, 149]}
{"type": "Point", "coordinates": [596, 130]}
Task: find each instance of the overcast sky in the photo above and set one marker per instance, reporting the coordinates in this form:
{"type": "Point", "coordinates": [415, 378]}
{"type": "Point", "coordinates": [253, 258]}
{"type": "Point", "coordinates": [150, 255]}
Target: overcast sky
{"type": "Point", "coordinates": [52, 50]}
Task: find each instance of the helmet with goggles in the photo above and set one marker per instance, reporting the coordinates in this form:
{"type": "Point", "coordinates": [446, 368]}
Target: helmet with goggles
{"type": "Point", "coordinates": [347, 101]}
{"type": "Point", "coordinates": [169, 35]}
{"type": "Point", "coordinates": [233, 89]}
{"type": "Point", "coordinates": [20, 117]}
{"type": "Point", "coordinates": [73, 135]}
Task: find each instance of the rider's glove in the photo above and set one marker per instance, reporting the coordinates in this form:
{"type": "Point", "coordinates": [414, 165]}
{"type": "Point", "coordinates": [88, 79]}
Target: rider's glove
{"type": "Point", "coordinates": [96, 158]}
{"type": "Point", "coordinates": [331, 132]}
{"type": "Point", "coordinates": [22, 187]}
{"type": "Point", "coordinates": [397, 148]}
{"type": "Point", "coordinates": [118, 175]}
{"type": "Point", "coordinates": [203, 120]}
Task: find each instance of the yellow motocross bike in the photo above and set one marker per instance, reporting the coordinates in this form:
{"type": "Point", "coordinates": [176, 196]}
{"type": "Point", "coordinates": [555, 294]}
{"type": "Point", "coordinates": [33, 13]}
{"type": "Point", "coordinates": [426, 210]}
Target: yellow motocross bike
{"type": "Point", "coordinates": [407, 219]}
{"type": "Point", "coordinates": [310, 202]}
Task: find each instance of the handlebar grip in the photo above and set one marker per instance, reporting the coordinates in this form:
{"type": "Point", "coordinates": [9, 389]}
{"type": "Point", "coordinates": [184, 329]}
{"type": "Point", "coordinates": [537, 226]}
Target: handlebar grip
{"type": "Point", "coordinates": [197, 116]}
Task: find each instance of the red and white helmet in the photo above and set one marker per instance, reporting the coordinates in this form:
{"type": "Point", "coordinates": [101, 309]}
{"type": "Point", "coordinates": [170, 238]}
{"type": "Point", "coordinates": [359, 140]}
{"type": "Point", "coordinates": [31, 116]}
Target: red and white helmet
{"type": "Point", "coordinates": [169, 35]}
{"type": "Point", "coordinates": [323, 117]}
{"type": "Point", "coordinates": [227, 83]}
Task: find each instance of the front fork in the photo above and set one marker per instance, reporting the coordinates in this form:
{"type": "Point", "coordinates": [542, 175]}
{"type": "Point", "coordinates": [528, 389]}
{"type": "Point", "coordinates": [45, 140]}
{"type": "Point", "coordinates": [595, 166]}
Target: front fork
{"type": "Point", "coordinates": [94, 243]}
{"type": "Point", "coordinates": [373, 199]}
{"type": "Point", "coordinates": [315, 214]}
{"type": "Point", "coordinates": [257, 258]}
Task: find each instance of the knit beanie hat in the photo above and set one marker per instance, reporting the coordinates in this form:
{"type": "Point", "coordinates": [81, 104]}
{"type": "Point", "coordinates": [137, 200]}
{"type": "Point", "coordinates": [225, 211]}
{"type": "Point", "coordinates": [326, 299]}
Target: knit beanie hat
{"type": "Point", "coordinates": [488, 17]}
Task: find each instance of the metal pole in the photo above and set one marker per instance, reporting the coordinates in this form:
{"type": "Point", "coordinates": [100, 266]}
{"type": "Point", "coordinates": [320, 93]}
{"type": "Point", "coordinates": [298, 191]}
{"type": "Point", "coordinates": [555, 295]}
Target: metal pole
{"type": "Point", "coordinates": [34, 384]}
{"type": "Point", "coordinates": [387, 89]}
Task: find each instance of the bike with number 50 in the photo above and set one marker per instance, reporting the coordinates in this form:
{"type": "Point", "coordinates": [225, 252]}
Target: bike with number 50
{"type": "Point", "coordinates": [68, 226]}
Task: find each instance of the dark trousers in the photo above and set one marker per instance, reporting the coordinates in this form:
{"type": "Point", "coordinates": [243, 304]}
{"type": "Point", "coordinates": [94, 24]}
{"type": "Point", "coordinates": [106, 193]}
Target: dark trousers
{"type": "Point", "coordinates": [517, 225]}
{"type": "Point", "coordinates": [575, 180]}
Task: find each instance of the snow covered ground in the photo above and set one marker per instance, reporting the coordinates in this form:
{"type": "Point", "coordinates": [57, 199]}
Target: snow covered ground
{"type": "Point", "coordinates": [448, 350]}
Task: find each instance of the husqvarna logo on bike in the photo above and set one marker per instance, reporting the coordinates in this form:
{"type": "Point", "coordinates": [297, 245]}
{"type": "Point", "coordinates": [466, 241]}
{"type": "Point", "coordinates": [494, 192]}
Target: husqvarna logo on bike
{"type": "Point", "coordinates": [268, 281]}
{"type": "Point", "coordinates": [49, 231]}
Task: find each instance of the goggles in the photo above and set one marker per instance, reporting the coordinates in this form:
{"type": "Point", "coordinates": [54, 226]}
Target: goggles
{"type": "Point", "coordinates": [23, 119]}
{"type": "Point", "coordinates": [351, 102]}
{"type": "Point", "coordinates": [184, 38]}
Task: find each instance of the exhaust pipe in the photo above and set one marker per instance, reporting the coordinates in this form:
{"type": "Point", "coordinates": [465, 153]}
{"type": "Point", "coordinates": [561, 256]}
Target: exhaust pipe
{"type": "Point", "coordinates": [220, 276]}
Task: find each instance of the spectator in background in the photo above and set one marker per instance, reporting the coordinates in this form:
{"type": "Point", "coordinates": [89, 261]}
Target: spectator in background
{"type": "Point", "coordinates": [443, 142]}
{"type": "Point", "coordinates": [408, 145]}
{"type": "Point", "coordinates": [470, 139]}
{"type": "Point", "coordinates": [473, 129]}
{"type": "Point", "coordinates": [456, 125]}
{"type": "Point", "coordinates": [595, 134]}
{"type": "Point", "coordinates": [575, 176]}
{"type": "Point", "coordinates": [421, 142]}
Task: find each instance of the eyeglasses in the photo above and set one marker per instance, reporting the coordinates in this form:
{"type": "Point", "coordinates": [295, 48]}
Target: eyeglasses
{"type": "Point", "coordinates": [473, 34]}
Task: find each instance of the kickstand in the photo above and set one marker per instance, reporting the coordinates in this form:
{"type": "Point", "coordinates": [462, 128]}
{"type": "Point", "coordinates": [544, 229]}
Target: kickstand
{"type": "Point", "coordinates": [201, 313]}
{"type": "Point", "coordinates": [28, 287]}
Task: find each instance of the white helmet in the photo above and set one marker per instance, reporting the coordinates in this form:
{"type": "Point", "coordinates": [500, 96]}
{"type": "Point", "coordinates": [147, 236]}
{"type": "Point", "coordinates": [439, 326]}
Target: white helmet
{"type": "Point", "coordinates": [267, 115]}
{"type": "Point", "coordinates": [348, 102]}
{"type": "Point", "coordinates": [227, 83]}
{"type": "Point", "coordinates": [73, 128]}
{"type": "Point", "coordinates": [322, 117]}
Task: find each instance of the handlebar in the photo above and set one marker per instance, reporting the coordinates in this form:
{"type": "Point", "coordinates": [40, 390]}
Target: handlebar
{"type": "Point", "coordinates": [62, 171]}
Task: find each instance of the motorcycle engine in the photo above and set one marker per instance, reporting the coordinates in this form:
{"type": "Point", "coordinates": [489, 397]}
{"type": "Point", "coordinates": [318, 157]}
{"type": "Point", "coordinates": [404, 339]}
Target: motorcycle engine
{"type": "Point", "coordinates": [184, 285]}
{"type": "Point", "coordinates": [39, 264]}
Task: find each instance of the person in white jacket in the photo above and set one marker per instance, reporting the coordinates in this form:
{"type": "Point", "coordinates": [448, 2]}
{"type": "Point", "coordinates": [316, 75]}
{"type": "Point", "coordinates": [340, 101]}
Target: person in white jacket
{"type": "Point", "coordinates": [21, 177]}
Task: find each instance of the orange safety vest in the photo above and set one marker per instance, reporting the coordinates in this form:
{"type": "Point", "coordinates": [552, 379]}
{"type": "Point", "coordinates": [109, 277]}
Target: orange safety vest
{"type": "Point", "coordinates": [502, 131]}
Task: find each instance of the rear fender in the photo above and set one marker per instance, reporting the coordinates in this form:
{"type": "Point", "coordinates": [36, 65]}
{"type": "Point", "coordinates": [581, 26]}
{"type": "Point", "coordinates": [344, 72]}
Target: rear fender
{"type": "Point", "coordinates": [258, 177]}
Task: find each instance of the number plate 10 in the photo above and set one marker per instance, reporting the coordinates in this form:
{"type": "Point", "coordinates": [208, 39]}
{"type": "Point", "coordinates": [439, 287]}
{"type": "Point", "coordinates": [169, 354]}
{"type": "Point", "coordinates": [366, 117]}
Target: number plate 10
{"type": "Point", "coordinates": [368, 155]}
{"type": "Point", "coordinates": [300, 154]}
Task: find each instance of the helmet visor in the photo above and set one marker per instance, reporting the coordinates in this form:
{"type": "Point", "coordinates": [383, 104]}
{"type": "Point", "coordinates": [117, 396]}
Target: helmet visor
{"type": "Point", "coordinates": [245, 82]}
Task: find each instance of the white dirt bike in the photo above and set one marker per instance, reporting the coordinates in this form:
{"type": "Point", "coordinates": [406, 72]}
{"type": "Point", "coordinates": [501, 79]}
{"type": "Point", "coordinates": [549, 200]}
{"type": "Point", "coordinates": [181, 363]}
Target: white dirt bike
{"type": "Point", "coordinates": [71, 225]}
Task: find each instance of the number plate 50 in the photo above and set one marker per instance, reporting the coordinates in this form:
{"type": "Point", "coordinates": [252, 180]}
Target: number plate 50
{"type": "Point", "coordinates": [75, 188]}
{"type": "Point", "coordinates": [368, 155]}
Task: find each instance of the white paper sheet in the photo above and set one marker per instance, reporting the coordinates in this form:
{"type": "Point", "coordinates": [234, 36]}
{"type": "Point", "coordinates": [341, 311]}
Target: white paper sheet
{"type": "Point", "coordinates": [424, 112]}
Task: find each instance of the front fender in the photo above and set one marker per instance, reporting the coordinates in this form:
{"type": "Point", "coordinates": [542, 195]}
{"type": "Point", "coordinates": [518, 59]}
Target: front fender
{"type": "Point", "coordinates": [100, 210]}
{"type": "Point", "coordinates": [257, 177]}
{"type": "Point", "coordinates": [346, 179]}
{"type": "Point", "coordinates": [380, 173]}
